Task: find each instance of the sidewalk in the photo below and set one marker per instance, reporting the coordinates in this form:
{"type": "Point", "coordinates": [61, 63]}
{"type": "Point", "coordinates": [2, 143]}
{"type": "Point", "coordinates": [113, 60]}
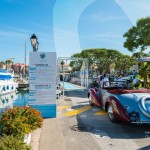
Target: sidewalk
{"type": "Point", "coordinates": [49, 137]}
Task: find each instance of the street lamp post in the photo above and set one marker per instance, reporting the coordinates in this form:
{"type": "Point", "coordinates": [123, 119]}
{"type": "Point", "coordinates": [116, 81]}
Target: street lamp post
{"type": "Point", "coordinates": [34, 42]}
{"type": "Point", "coordinates": [37, 45]}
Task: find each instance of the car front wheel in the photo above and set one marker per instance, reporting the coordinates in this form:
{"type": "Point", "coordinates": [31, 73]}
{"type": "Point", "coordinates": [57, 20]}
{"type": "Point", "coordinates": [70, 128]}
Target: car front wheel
{"type": "Point", "coordinates": [111, 113]}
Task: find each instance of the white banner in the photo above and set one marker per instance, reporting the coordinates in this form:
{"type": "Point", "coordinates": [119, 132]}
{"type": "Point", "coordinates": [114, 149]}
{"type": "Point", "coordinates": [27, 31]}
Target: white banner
{"type": "Point", "coordinates": [42, 76]}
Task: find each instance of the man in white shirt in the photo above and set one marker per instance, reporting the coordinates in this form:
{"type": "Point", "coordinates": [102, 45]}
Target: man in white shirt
{"type": "Point", "coordinates": [106, 81]}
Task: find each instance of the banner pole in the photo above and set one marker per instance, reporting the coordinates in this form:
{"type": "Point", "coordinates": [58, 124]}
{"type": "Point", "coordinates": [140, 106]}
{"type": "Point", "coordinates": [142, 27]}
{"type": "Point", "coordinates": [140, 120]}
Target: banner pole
{"type": "Point", "coordinates": [63, 86]}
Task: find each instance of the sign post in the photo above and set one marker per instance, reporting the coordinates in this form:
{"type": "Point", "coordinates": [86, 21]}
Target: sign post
{"type": "Point", "coordinates": [42, 76]}
{"type": "Point", "coordinates": [82, 74]}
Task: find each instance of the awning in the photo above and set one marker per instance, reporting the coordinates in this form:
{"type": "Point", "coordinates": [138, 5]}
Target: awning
{"type": "Point", "coordinates": [144, 59]}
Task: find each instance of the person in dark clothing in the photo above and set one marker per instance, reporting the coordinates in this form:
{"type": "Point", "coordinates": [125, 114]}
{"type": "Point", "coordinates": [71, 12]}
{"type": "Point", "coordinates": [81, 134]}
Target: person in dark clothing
{"type": "Point", "coordinates": [101, 79]}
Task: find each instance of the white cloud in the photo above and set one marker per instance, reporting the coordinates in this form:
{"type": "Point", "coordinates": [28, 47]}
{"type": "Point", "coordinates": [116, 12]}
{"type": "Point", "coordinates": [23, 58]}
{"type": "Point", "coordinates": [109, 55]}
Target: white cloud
{"type": "Point", "coordinates": [11, 34]}
{"type": "Point", "coordinates": [41, 26]}
{"type": "Point", "coordinates": [108, 35]}
{"type": "Point", "coordinates": [19, 33]}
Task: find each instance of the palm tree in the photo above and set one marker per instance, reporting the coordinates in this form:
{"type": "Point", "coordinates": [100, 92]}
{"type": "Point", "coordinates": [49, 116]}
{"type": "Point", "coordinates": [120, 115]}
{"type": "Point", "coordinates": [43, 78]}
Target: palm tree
{"type": "Point", "coordinates": [62, 65]}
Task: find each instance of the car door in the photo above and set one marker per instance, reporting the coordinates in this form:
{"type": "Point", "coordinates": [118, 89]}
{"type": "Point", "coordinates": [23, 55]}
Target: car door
{"type": "Point", "coordinates": [95, 96]}
{"type": "Point", "coordinates": [104, 96]}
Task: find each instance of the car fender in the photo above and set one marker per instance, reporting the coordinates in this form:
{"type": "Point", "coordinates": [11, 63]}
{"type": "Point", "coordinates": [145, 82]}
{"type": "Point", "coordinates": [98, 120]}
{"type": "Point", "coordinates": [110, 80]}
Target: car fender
{"type": "Point", "coordinates": [94, 96]}
{"type": "Point", "coordinates": [119, 111]}
{"type": "Point", "coordinates": [142, 107]}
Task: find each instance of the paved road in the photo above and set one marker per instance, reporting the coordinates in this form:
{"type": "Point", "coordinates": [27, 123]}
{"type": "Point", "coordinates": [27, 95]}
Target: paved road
{"type": "Point", "coordinates": [100, 134]}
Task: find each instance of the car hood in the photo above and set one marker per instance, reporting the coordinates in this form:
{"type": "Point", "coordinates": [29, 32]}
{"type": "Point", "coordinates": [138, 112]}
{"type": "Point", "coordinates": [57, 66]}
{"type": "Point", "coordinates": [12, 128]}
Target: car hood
{"type": "Point", "coordinates": [132, 99]}
{"type": "Point", "coordinates": [138, 102]}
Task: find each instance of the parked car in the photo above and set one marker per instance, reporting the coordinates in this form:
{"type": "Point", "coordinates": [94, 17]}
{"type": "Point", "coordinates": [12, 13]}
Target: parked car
{"type": "Point", "coordinates": [122, 103]}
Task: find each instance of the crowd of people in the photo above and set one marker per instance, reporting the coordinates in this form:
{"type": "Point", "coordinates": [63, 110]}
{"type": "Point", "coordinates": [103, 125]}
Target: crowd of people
{"type": "Point", "coordinates": [106, 80]}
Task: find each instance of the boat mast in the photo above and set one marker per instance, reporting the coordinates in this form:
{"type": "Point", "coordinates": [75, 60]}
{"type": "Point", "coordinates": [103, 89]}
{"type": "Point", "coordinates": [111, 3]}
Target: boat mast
{"type": "Point", "coordinates": [25, 60]}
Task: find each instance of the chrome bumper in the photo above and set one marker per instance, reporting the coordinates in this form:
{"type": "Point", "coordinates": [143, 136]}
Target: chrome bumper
{"type": "Point", "coordinates": [141, 122]}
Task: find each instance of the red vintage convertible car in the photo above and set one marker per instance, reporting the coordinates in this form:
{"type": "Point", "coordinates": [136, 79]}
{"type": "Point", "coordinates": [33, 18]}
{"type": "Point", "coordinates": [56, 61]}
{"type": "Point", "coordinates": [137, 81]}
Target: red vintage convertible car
{"type": "Point", "coordinates": [122, 103]}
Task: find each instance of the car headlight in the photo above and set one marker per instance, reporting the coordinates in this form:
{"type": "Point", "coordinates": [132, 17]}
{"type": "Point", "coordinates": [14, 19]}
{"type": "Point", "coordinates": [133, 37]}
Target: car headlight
{"type": "Point", "coordinates": [134, 116]}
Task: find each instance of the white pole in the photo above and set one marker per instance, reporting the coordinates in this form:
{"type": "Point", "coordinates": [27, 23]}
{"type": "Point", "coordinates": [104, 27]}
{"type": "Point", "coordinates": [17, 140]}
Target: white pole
{"type": "Point", "coordinates": [80, 77]}
{"type": "Point", "coordinates": [25, 61]}
{"type": "Point", "coordinates": [84, 77]}
{"type": "Point", "coordinates": [63, 86]}
{"type": "Point", "coordinates": [87, 74]}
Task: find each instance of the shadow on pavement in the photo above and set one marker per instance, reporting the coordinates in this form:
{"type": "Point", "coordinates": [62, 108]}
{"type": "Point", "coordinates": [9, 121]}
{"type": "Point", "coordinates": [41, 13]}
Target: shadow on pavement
{"type": "Point", "coordinates": [144, 148]}
{"type": "Point", "coordinates": [102, 126]}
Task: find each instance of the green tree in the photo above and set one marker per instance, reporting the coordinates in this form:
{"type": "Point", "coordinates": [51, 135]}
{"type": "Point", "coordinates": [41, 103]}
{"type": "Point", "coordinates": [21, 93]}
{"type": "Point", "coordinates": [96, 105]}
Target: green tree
{"type": "Point", "coordinates": [144, 67]}
{"type": "Point", "coordinates": [111, 57]}
{"type": "Point", "coordinates": [9, 62]}
{"type": "Point", "coordinates": [138, 37]}
{"type": "Point", "coordinates": [144, 70]}
{"type": "Point", "coordinates": [62, 65]}
{"type": "Point", "coordinates": [124, 63]}
{"type": "Point", "coordinates": [103, 59]}
{"type": "Point", "coordinates": [76, 64]}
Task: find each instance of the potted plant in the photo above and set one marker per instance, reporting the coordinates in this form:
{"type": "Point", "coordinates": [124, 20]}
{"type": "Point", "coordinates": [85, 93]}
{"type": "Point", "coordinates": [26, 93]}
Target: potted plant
{"type": "Point", "coordinates": [33, 117]}
{"type": "Point", "coordinates": [20, 121]}
{"type": "Point", "coordinates": [12, 143]}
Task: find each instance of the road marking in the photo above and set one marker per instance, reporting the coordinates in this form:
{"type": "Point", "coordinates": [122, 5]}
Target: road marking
{"type": "Point", "coordinates": [101, 112]}
{"type": "Point", "coordinates": [62, 107]}
{"type": "Point", "coordinates": [100, 134]}
{"type": "Point", "coordinates": [69, 109]}
{"type": "Point", "coordinates": [77, 111]}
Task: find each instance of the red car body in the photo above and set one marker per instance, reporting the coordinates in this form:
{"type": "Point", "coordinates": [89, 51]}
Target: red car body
{"type": "Point", "coordinates": [112, 96]}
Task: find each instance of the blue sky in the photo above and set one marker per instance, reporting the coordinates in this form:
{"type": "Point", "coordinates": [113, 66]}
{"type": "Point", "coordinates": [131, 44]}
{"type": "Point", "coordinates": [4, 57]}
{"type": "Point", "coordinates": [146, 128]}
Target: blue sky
{"type": "Point", "coordinates": [66, 26]}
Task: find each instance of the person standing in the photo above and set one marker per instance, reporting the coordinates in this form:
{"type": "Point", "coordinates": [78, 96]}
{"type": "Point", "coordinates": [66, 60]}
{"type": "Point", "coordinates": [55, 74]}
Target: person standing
{"type": "Point", "coordinates": [105, 81]}
{"type": "Point", "coordinates": [101, 77]}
